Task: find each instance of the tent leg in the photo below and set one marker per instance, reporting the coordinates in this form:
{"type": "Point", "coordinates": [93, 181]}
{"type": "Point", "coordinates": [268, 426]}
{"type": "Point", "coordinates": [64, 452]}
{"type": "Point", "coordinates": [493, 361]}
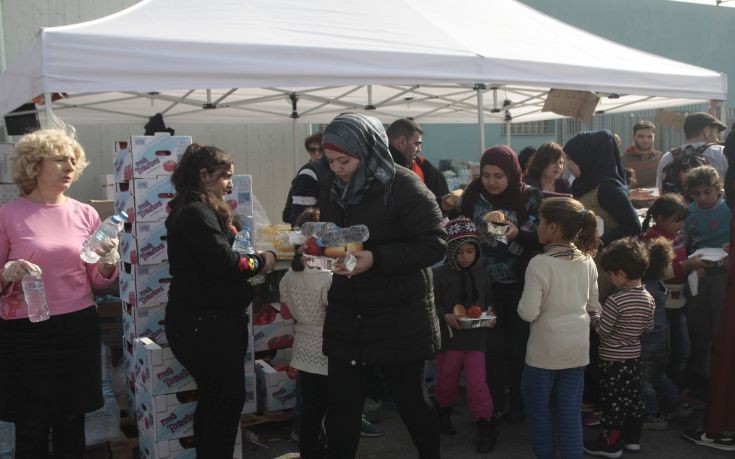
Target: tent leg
{"type": "Point", "coordinates": [507, 133]}
{"type": "Point", "coordinates": [481, 114]}
{"type": "Point", "coordinates": [47, 107]}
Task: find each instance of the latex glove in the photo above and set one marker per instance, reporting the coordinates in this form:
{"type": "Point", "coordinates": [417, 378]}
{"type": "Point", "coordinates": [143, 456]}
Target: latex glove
{"type": "Point", "coordinates": [108, 252]}
{"type": "Point", "coordinates": [16, 269]}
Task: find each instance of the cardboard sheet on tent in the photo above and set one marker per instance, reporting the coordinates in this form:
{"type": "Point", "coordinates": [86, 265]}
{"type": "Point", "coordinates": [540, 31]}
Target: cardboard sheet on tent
{"type": "Point", "coordinates": [335, 56]}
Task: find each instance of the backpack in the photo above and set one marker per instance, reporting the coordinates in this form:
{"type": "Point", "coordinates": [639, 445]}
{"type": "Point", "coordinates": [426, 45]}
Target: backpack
{"type": "Point", "coordinates": [683, 159]}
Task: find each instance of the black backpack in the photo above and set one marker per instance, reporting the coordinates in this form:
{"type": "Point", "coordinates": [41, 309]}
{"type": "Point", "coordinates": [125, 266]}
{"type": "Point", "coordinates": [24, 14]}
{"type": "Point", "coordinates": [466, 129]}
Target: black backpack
{"type": "Point", "coordinates": [683, 159]}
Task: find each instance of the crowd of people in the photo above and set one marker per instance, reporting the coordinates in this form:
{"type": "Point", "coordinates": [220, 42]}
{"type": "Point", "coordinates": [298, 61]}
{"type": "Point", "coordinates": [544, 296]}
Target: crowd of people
{"type": "Point", "coordinates": [583, 301]}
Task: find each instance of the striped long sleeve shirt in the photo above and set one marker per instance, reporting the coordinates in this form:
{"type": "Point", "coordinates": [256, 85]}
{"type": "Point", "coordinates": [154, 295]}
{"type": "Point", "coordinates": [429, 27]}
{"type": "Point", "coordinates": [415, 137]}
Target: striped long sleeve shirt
{"type": "Point", "coordinates": [627, 315]}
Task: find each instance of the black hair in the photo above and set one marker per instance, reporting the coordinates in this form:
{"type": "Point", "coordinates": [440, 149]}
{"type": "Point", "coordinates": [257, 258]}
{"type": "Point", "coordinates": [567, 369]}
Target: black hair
{"type": "Point", "coordinates": [628, 255]}
{"type": "Point", "coordinates": [667, 205]}
{"type": "Point", "coordinates": [403, 127]}
{"type": "Point", "coordinates": [660, 255]}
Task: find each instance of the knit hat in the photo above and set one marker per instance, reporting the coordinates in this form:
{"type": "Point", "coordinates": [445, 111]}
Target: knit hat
{"type": "Point", "coordinates": [459, 231]}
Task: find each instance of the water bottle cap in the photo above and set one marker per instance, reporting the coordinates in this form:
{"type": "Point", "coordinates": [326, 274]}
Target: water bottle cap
{"type": "Point", "coordinates": [123, 215]}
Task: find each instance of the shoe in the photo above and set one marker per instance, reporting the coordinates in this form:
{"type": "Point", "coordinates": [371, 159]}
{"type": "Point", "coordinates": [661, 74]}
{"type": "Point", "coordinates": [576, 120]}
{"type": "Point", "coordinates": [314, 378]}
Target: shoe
{"type": "Point", "coordinates": [655, 423]}
{"type": "Point", "coordinates": [699, 437]}
{"type": "Point", "coordinates": [488, 431]}
{"type": "Point", "coordinates": [295, 430]}
{"type": "Point", "coordinates": [679, 411]}
{"type": "Point", "coordinates": [445, 421]}
{"type": "Point", "coordinates": [371, 410]}
{"type": "Point", "coordinates": [591, 419]}
{"type": "Point", "coordinates": [601, 447]}
{"type": "Point", "coordinates": [695, 403]}
{"type": "Point", "coordinates": [370, 430]}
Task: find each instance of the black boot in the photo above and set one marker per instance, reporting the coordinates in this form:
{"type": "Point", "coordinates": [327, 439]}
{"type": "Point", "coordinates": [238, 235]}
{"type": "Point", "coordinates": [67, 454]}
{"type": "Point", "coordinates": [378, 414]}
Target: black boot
{"type": "Point", "coordinates": [488, 435]}
{"type": "Point", "coordinates": [445, 421]}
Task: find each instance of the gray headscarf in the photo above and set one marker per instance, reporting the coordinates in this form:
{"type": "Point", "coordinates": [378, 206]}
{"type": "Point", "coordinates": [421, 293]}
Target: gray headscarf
{"type": "Point", "coordinates": [362, 137]}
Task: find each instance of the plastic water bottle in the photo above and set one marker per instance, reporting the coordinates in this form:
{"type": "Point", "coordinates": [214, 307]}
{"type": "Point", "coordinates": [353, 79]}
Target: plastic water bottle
{"type": "Point", "coordinates": [34, 293]}
{"type": "Point", "coordinates": [244, 246]}
{"type": "Point", "coordinates": [106, 232]}
{"type": "Point", "coordinates": [343, 236]}
{"type": "Point", "coordinates": [317, 229]}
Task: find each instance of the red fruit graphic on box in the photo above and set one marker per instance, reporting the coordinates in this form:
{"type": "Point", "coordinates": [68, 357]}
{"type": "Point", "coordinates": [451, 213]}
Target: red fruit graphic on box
{"type": "Point", "coordinates": [292, 372]}
{"type": "Point", "coordinates": [275, 343]}
{"type": "Point", "coordinates": [131, 298]}
{"type": "Point", "coordinates": [133, 257]}
{"type": "Point", "coordinates": [128, 172]}
{"type": "Point", "coordinates": [287, 341]}
{"type": "Point", "coordinates": [169, 165]}
{"type": "Point", "coordinates": [285, 312]}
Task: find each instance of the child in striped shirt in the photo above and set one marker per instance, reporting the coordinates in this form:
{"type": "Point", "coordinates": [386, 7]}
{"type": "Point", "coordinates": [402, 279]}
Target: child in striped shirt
{"type": "Point", "coordinates": [627, 314]}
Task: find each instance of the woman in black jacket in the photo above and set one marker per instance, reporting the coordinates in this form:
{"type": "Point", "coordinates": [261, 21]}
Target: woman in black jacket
{"type": "Point", "coordinates": [382, 312]}
{"type": "Point", "coordinates": [205, 314]}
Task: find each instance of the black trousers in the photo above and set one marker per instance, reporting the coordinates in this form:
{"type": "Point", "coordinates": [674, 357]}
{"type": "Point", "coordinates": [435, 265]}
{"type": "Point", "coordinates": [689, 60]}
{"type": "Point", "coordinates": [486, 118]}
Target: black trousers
{"type": "Point", "coordinates": [516, 331]}
{"type": "Point", "coordinates": [313, 409]}
{"type": "Point", "coordinates": [347, 390]}
{"type": "Point", "coordinates": [50, 375]}
{"type": "Point", "coordinates": [212, 347]}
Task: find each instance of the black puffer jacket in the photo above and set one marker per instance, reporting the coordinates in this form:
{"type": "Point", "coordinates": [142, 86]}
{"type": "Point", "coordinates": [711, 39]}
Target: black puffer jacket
{"type": "Point", "coordinates": [386, 315]}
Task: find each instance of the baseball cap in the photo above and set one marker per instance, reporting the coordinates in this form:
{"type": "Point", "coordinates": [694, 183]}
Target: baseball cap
{"type": "Point", "coordinates": [700, 120]}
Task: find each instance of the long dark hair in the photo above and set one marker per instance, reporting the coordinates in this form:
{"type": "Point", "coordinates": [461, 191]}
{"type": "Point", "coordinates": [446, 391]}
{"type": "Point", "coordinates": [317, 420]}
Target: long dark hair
{"type": "Point", "coordinates": [188, 182]}
{"type": "Point", "coordinates": [577, 224]}
{"type": "Point", "coordinates": [667, 205]}
{"type": "Point", "coordinates": [546, 154]}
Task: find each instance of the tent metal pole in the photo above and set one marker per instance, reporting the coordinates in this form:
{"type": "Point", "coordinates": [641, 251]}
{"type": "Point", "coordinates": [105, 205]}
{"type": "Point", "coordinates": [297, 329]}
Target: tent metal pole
{"type": "Point", "coordinates": [480, 88]}
{"type": "Point", "coordinates": [507, 132]}
{"type": "Point", "coordinates": [47, 107]}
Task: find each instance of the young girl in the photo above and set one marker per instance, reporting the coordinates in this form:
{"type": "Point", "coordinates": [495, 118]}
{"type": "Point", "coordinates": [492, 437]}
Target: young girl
{"type": "Point", "coordinates": [707, 226]}
{"type": "Point", "coordinates": [462, 281]}
{"type": "Point", "coordinates": [305, 292]}
{"type": "Point", "coordinates": [500, 188]}
{"type": "Point", "coordinates": [560, 290]}
{"type": "Point", "coordinates": [667, 213]}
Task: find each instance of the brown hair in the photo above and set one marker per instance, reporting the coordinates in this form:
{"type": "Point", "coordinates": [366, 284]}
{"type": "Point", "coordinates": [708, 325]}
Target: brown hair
{"type": "Point", "coordinates": [310, 214]}
{"type": "Point", "coordinates": [667, 205]}
{"type": "Point", "coordinates": [642, 125]}
{"type": "Point", "coordinates": [628, 255]}
{"type": "Point", "coordinates": [546, 154]}
{"type": "Point", "coordinates": [188, 183]}
{"type": "Point", "coordinates": [577, 224]}
{"type": "Point", "coordinates": [703, 176]}
{"type": "Point", "coordinates": [314, 138]}
{"type": "Point", "coordinates": [403, 127]}
{"type": "Point", "coordinates": [660, 255]}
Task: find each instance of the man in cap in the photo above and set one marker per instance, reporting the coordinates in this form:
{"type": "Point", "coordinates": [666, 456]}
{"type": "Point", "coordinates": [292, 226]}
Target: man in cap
{"type": "Point", "coordinates": [702, 131]}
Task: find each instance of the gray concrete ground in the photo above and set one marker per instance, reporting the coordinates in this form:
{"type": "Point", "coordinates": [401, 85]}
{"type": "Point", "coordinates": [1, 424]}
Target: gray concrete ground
{"type": "Point", "coordinates": [513, 442]}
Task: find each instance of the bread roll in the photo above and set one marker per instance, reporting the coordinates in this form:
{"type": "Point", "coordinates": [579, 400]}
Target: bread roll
{"type": "Point", "coordinates": [339, 252]}
{"type": "Point", "coordinates": [495, 216]}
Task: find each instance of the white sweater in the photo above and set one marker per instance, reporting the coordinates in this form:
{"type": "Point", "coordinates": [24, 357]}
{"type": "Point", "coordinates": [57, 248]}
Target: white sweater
{"type": "Point", "coordinates": [305, 293]}
{"type": "Point", "coordinates": [556, 297]}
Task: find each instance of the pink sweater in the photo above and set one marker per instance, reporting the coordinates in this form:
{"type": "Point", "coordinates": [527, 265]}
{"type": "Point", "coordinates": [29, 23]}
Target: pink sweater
{"type": "Point", "coordinates": [51, 236]}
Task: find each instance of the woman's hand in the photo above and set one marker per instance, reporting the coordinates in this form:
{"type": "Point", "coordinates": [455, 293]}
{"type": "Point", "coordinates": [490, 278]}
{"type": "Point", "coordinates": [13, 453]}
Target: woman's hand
{"type": "Point", "coordinates": [270, 262]}
{"type": "Point", "coordinates": [692, 264]}
{"type": "Point", "coordinates": [512, 231]}
{"type": "Point", "coordinates": [108, 252]}
{"type": "Point", "coordinates": [451, 320]}
{"type": "Point", "coordinates": [364, 262]}
{"type": "Point", "coordinates": [16, 269]}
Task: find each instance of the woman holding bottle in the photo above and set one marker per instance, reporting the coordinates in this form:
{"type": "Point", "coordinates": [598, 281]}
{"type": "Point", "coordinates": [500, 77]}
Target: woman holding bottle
{"type": "Point", "coordinates": [50, 370]}
{"type": "Point", "coordinates": [208, 295]}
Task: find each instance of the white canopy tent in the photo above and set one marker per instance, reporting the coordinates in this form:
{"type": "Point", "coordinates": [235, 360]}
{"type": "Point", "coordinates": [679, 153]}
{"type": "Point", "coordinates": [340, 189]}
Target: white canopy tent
{"type": "Point", "coordinates": [268, 60]}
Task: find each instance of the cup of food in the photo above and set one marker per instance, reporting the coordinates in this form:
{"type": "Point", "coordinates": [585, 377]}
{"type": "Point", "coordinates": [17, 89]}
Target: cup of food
{"type": "Point", "coordinates": [496, 224]}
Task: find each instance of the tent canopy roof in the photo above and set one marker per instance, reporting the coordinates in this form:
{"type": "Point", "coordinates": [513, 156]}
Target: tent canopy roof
{"type": "Point", "coordinates": [419, 58]}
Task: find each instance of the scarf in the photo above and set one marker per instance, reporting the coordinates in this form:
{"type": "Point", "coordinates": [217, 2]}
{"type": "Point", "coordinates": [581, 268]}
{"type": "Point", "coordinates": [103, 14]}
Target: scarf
{"type": "Point", "coordinates": [362, 137]}
{"type": "Point", "coordinates": [514, 197]}
{"type": "Point", "coordinates": [566, 251]}
{"type": "Point", "coordinates": [598, 158]}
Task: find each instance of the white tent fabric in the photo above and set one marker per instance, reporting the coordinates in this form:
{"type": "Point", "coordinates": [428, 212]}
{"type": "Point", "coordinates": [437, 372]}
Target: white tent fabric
{"type": "Point", "coordinates": [394, 58]}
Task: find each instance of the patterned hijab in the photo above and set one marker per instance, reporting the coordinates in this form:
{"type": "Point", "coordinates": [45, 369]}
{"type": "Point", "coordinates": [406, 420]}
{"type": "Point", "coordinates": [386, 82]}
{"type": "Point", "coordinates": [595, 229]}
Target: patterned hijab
{"type": "Point", "coordinates": [515, 195]}
{"type": "Point", "coordinates": [362, 137]}
{"type": "Point", "coordinates": [598, 158]}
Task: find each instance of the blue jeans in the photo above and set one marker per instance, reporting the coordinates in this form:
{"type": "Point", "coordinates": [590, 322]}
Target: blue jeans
{"type": "Point", "coordinates": [656, 384]}
{"type": "Point", "coordinates": [554, 393]}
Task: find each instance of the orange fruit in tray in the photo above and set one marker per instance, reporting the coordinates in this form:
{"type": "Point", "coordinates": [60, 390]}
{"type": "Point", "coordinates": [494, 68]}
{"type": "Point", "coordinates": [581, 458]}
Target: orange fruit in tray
{"type": "Point", "coordinates": [474, 312]}
{"type": "Point", "coordinates": [459, 310]}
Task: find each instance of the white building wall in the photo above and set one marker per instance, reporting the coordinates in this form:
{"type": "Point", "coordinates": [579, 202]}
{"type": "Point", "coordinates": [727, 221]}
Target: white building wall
{"type": "Point", "coordinates": [264, 151]}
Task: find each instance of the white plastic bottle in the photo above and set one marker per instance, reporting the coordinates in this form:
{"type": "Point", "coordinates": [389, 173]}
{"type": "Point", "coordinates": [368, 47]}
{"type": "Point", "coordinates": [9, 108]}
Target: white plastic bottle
{"type": "Point", "coordinates": [107, 231]}
{"type": "Point", "coordinates": [34, 292]}
{"type": "Point", "coordinates": [244, 246]}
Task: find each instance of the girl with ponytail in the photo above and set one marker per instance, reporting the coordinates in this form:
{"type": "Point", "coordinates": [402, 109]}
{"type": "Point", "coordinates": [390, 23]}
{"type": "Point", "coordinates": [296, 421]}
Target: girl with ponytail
{"type": "Point", "coordinates": [560, 289]}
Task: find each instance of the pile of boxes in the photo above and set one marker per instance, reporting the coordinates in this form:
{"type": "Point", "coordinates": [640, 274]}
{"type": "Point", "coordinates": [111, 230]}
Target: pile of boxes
{"type": "Point", "coordinates": [161, 393]}
{"type": "Point", "coordinates": [273, 327]}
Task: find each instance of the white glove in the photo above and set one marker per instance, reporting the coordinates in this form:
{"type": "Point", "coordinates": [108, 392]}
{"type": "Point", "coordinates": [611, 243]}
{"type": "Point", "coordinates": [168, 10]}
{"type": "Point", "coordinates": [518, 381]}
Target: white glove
{"type": "Point", "coordinates": [16, 269]}
{"type": "Point", "coordinates": [108, 252]}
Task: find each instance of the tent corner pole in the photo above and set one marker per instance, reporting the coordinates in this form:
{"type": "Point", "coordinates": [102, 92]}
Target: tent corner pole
{"type": "Point", "coordinates": [480, 88]}
{"type": "Point", "coordinates": [47, 108]}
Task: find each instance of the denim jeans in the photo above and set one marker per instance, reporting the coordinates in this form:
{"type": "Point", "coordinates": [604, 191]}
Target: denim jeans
{"type": "Point", "coordinates": [656, 385]}
{"type": "Point", "coordinates": [550, 394]}
{"type": "Point", "coordinates": [680, 345]}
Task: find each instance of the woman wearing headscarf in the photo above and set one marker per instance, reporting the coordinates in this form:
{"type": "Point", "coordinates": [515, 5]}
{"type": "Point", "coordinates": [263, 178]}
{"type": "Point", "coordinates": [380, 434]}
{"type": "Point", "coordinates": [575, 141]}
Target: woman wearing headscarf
{"type": "Point", "coordinates": [500, 188]}
{"type": "Point", "coordinates": [599, 184]}
{"type": "Point", "coordinates": [381, 313]}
